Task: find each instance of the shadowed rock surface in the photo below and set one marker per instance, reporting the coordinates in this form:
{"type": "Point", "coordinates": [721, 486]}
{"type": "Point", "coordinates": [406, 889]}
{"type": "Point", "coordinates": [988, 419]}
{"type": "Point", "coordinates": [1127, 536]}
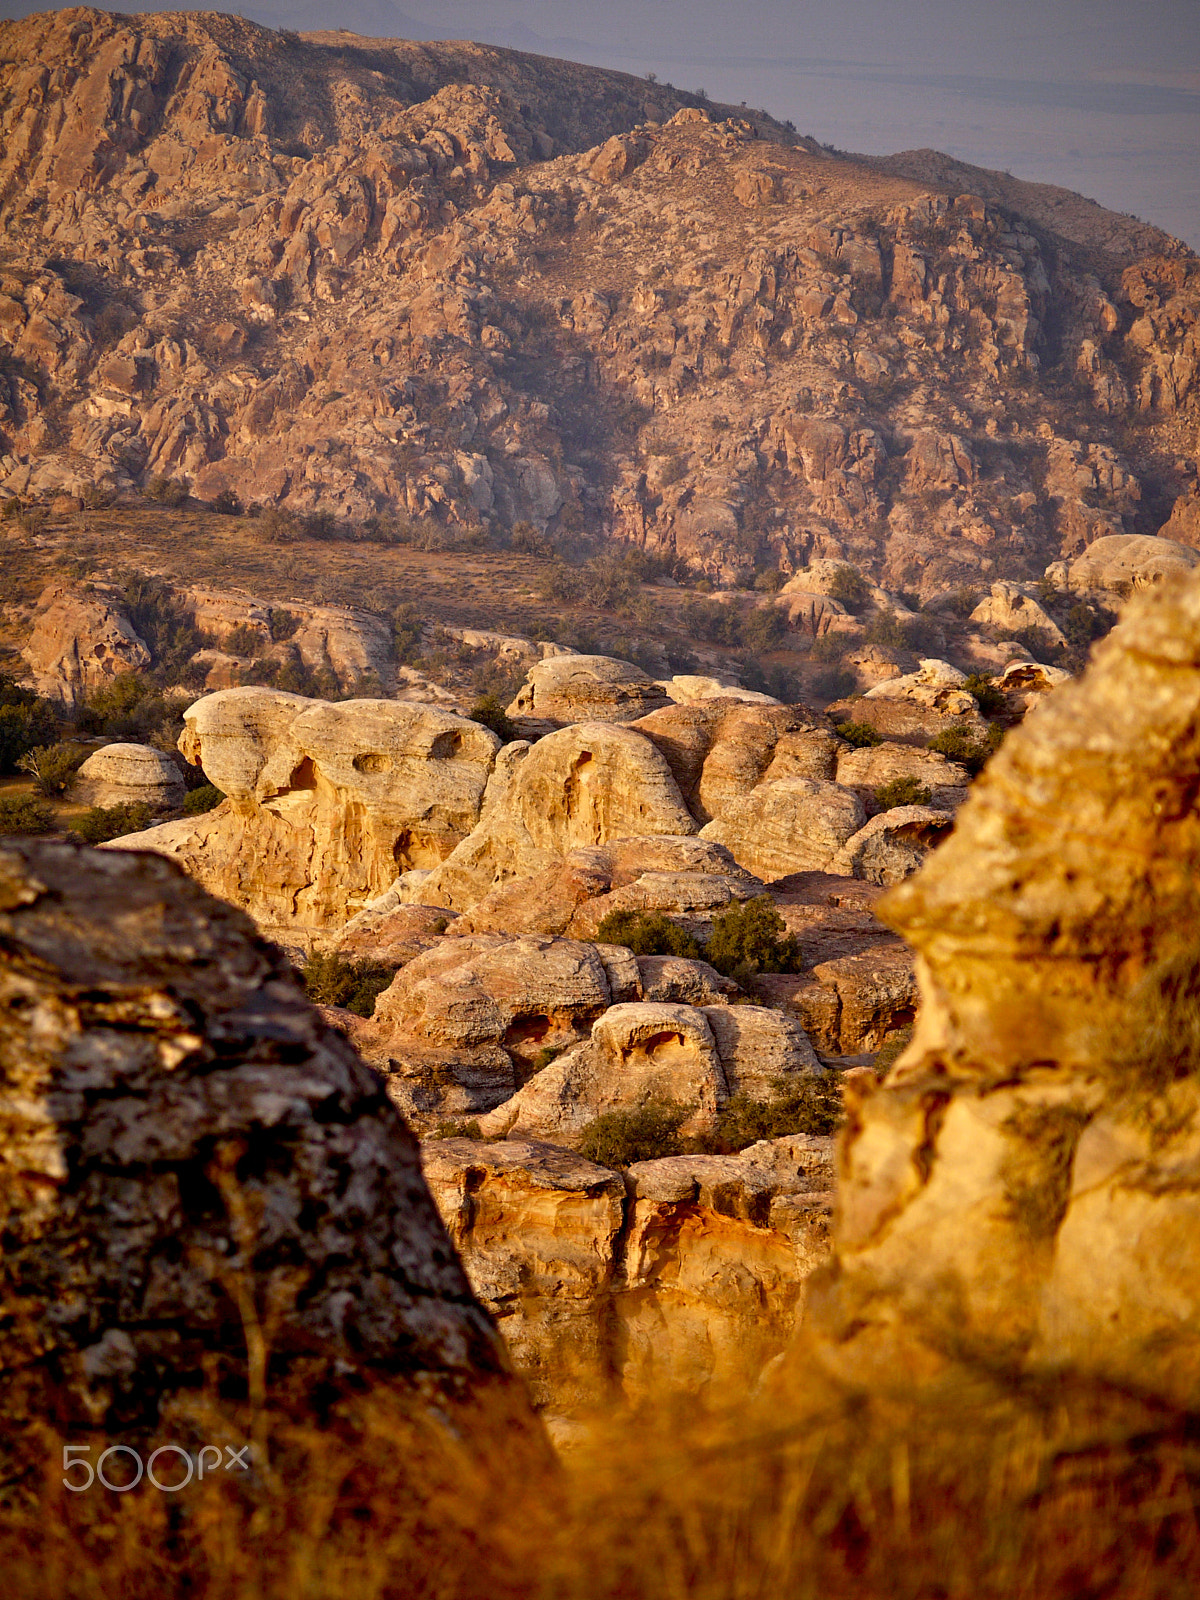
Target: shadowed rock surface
{"type": "Point", "coordinates": [191, 1161]}
{"type": "Point", "coordinates": [1022, 1194]}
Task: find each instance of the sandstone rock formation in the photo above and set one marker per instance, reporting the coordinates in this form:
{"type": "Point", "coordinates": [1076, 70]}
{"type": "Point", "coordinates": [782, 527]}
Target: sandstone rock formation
{"type": "Point", "coordinates": [789, 825]}
{"type": "Point", "coordinates": [129, 774]}
{"type": "Point", "coordinates": [1019, 1194]}
{"type": "Point", "coordinates": [893, 845]}
{"type": "Point", "coordinates": [181, 1132]}
{"type": "Point", "coordinates": [79, 643]}
{"type": "Point", "coordinates": [570, 689]}
{"type": "Point", "coordinates": [656, 1052]}
{"type": "Point", "coordinates": [1120, 564]}
{"type": "Point", "coordinates": [689, 1273]}
{"type": "Point", "coordinates": [583, 785]}
{"type": "Point", "coordinates": [326, 802]}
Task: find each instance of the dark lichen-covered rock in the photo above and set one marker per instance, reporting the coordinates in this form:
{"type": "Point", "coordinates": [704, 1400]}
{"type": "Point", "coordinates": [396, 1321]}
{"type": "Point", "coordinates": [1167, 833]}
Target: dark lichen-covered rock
{"type": "Point", "coordinates": [200, 1184]}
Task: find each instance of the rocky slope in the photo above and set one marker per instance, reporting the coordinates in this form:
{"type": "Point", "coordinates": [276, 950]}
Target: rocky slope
{"type": "Point", "coordinates": [371, 278]}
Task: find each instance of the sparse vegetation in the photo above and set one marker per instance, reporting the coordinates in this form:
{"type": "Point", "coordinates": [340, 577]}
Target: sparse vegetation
{"type": "Point", "coordinates": [331, 979]}
{"type": "Point", "coordinates": [860, 734]}
{"type": "Point", "coordinates": [902, 792]}
{"type": "Point", "coordinates": [800, 1104]}
{"type": "Point", "coordinates": [206, 798]}
{"type": "Point", "coordinates": [102, 823]}
{"type": "Point", "coordinates": [749, 938]}
{"type": "Point", "coordinates": [648, 934]}
{"type": "Point", "coordinates": [489, 710]}
{"type": "Point", "coordinates": [958, 744]}
{"type": "Point", "coordinates": [988, 698]}
{"type": "Point", "coordinates": [619, 1139]}
{"type": "Point", "coordinates": [23, 813]}
{"type": "Point", "coordinates": [849, 588]}
{"type": "Point", "coordinates": [53, 767]}
{"type": "Point", "coordinates": [26, 721]}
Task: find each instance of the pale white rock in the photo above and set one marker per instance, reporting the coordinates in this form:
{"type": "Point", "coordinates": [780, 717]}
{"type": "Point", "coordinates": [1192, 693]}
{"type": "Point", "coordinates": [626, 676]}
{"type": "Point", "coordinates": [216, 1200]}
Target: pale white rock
{"type": "Point", "coordinates": [935, 684]}
{"type": "Point", "coordinates": [1119, 564]}
{"type": "Point", "coordinates": [129, 774]}
{"type": "Point", "coordinates": [568, 689]}
{"type": "Point", "coordinates": [759, 1046]}
{"type": "Point", "coordinates": [893, 845]}
{"type": "Point", "coordinates": [1010, 609]}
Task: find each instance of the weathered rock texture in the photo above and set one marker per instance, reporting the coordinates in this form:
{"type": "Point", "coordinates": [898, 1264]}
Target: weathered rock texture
{"type": "Point", "coordinates": [79, 643]}
{"type": "Point", "coordinates": [363, 275]}
{"type": "Point", "coordinates": [1023, 1191]}
{"type": "Point", "coordinates": [326, 802]}
{"type": "Point", "coordinates": [129, 774]}
{"type": "Point", "coordinates": [688, 1272]}
{"type": "Point", "coordinates": [182, 1140]}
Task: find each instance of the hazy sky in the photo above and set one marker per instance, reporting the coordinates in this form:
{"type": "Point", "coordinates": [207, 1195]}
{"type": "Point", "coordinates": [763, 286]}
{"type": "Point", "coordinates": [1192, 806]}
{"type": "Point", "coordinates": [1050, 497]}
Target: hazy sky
{"type": "Point", "coordinates": [1102, 96]}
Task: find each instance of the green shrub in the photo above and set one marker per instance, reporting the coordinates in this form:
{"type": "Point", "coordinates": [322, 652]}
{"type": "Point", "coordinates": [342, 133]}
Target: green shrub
{"type": "Point", "coordinates": [885, 630]}
{"type": "Point", "coordinates": [957, 744]}
{"type": "Point", "coordinates": [242, 640]}
{"type": "Point", "coordinates": [860, 734]}
{"type": "Point", "coordinates": [619, 1138]}
{"type": "Point", "coordinates": [650, 934]}
{"type": "Point", "coordinates": [800, 1104]}
{"type": "Point", "coordinates": [331, 979]}
{"type": "Point", "coordinates": [902, 792]}
{"type": "Point", "coordinates": [25, 722]}
{"type": "Point", "coordinates": [22, 813]}
{"type": "Point", "coordinates": [171, 492]}
{"type": "Point", "coordinates": [206, 798]}
{"type": "Point", "coordinates": [829, 647]}
{"type": "Point", "coordinates": [459, 1130]}
{"type": "Point", "coordinates": [408, 625]}
{"type": "Point", "coordinates": [849, 588]}
{"type": "Point", "coordinates": [227, 504]}
{"type": "Point", "coordinates": [987, 697]}
{"type": "Point", "coordinates": [102, 823]}
{"type": "Point", "coordinates": [489, 710]}
{"type": "Point", "coordinates": [834, 683]}
{"type": "Point", "coordinates": [52, 767]}
{"type": "Point", "coordinates": [284, 623]}
{"type": "Point", "coordinates": [749, 938]}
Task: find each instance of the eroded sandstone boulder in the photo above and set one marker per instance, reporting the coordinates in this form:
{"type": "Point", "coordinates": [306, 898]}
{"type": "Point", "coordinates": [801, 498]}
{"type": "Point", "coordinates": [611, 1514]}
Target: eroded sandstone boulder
{"type": "Point", "coordinates": [327, 802]}
{"type": "Point", "coordinates": [179, 1126]}
{"type": "Point", "coordinates": [79, 643]}
{"type": "Point", "coordinates": [788, 825]}
{"type": "Point", "coordinates": [582, 785]}
{"type": "Point", "coordinates": [1020, 1193]}
{"type": "Point", "coordinates": [566, 689]}
{"type": "Point", "coordinates": [129, 774]}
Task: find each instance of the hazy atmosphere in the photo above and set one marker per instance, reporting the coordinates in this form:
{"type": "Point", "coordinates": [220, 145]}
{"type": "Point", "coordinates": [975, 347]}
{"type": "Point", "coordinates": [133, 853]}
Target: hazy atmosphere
{"type": "Point", "coordinates": [1100, 96]}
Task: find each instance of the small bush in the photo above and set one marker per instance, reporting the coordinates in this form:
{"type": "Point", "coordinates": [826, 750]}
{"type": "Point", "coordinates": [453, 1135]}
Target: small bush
{"type": "Point", "coordinates": [227, 504]}
{"type": "Point", "coordinates": [892, 1049]}
{"type": "Point", "coordinates": [25, 722]}
{"type": "Point", "coordinates": [102, 823]}
{"type": "Point", "coordinates": [799, 1105]}
{"type": "Point", "coordinates": [902, 792]}
{"type": "Point", "coordinates": [987, 697]}
{"type": "Point", "coordinates": [829, 647]}
{"type": "Point", "coordinates": [52, 767]}
{"type": "Point", "coordinates": [885, 630]}
{"type": "Point", "coordinates": [22, 813]}
{"type": "Point", "coordinates": [408, 626]}
{"type": "Point", "coordinates": [834, 683]}
{"type": "Point", "coordinates": [650, 934]}
{"type": "Point", "coordinates": [206, 798]}
{"type": "Point", "coordinates": [242, 640]}
{"type": "Point", "coordinates": [860, 734]}
{"type": "Point", "coordinates": [619, 1138]}
{"type": "Point", "coordinates": [170, 492]}
{"type": "Point", "coordinates": [459, 1130]}
{"type": "Point", "coordinates": [284, 623]}
{"type": "Point", "coordinates": [849, 588]}
{"type": "Point", "coordinates": [489, 710]}
{"type": "Point", "coordinates": [332, 980]}
{"type": "Point", "coordinates": [749, 938]}
{"type": "Point", "coordinates": [956, 744]}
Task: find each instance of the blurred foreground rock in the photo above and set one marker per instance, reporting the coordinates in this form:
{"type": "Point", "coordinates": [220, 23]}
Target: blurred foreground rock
{"type": "Point", "coordinates": [192, 1167]}
{"type": "Point", "coordinates": [1022, 1194]}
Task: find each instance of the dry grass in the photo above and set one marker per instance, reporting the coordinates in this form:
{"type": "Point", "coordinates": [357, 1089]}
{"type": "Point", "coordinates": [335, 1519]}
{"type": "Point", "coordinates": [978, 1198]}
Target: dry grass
{"type": "Point", "coordinates": [810, 1495]}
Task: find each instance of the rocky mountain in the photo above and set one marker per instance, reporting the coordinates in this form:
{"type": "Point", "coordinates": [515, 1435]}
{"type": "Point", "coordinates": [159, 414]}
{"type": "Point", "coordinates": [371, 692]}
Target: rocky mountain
{"type": "Point", "coordinates": [376, 279]}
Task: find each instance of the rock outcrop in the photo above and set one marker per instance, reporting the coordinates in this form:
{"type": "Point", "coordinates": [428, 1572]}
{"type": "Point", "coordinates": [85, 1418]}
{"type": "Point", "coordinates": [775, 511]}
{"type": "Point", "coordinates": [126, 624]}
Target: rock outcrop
{"type": "Point", "coordinates": [1020, 1194]}
{"type": "Point", "coordinates": [129, 774]}
{"type": "Point", "coordinates": [79, 643]}
{"type": "Point", "coordinates": [568, 689]}
{"type": "Point", "coordinates": [181, 1132]}
{"type": "Point", "coordinates": [688, 1272]}
{"type": "Point", "coordinates": [326, 802]}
